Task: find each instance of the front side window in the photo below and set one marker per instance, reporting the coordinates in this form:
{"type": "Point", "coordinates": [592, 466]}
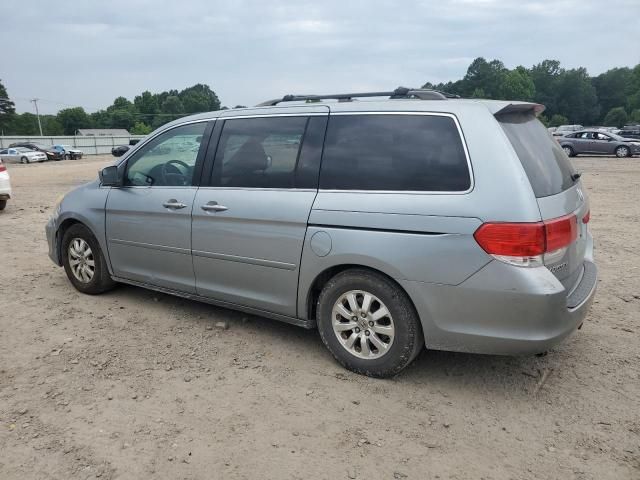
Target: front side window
{"type": "Point", "coordinates": [168, 160]}
{"type": "Point", "coordinates": [602, 136]}
{"type": "Point", "coordinates": [259, 152]}
{"type": "Point", "coordinates": [394, 152]}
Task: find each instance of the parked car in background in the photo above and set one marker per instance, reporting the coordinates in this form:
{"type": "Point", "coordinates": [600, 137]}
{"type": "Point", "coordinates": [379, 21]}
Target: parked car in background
{"type": "Point", "coordinates": [598, 142]}
{"type": "Point", "coordinates": [563, 130]}
{"type": "Point", "coordinates": [68, 152]}
{"type": "Point", "coordinates": [5, 186]}
{"type": "Point", "coordinates": [38, 147]}
{"type": "Point", "coordinates": [395, 240]}
{"type": "Point", "coordinates": [120, 150]}
{"type": "Point", "coordinates": [630, 131]}
{"type": "Point", "coordinates": [22, 155]}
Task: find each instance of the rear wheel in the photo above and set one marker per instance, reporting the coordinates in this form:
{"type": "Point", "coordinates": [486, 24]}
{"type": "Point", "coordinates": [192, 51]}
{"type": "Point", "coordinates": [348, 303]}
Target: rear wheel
{"type": "Point", "coordinates": [569, 151]}
{"type": "Point", "coordinates": [623, 151]}
{"type": "Point", "coordinates": [83, 261]}
{"type": "Point", "coordinates": [67, 156]}
{"type": "Point", "coordinates": [3, 204]}
{"type": "Point", "coordinates": [368, 323]}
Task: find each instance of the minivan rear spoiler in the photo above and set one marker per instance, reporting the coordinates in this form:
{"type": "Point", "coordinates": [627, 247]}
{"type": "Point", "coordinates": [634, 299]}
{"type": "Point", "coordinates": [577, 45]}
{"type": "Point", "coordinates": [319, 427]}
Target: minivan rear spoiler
{"type": "Point", "coordinates": [516, 107]}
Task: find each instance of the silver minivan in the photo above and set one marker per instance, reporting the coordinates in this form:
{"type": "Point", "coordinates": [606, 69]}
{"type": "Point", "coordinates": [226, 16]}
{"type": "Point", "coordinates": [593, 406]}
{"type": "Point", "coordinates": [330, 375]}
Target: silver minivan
{"type": "Point", "coordinates": [387, 224]}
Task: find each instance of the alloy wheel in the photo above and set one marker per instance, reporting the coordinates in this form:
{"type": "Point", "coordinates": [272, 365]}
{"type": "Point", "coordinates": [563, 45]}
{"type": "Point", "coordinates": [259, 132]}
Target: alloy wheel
{"type": "Point", "coordinates": [81, 260]}
{"type": "Point", "coordinates": [363, 324]}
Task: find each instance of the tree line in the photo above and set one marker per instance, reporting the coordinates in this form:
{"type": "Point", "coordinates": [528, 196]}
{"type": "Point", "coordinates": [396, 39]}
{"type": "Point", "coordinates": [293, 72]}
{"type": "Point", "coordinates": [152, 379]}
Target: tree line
{"type": "Point", "coordinates": [145, 113]}
{"type": "Point", "coordinates": [571, 96]}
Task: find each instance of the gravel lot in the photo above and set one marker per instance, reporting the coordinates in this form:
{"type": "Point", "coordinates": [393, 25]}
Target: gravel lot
{"type": "Point", "coordinates": [136, 384]}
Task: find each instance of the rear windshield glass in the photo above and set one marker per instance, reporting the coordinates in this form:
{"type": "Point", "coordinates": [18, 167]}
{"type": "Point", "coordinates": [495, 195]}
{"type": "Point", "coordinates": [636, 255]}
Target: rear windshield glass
{"type": "Point", "coordinates": [547, 166]}
{"type": "Point", "coordinates": [394, 152]}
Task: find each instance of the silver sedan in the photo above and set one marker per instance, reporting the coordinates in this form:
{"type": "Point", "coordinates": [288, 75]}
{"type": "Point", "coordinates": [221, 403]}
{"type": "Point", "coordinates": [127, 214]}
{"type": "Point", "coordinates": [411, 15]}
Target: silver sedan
{"type": "Point", "coordinates": [597, 142]}
{"type": "Point", "coordinates": [21, 155]}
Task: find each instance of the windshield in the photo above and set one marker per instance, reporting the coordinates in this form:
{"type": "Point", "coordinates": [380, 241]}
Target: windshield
{"type": "Point", "coordinates": [547, 166]}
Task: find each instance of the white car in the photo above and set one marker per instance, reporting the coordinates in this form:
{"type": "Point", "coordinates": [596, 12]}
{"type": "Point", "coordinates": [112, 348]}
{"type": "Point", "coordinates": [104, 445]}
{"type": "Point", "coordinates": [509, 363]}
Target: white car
{"type": "Point", "coordinates": [22, 155]}
{"type": "Point", "coordinates": [5, 186]}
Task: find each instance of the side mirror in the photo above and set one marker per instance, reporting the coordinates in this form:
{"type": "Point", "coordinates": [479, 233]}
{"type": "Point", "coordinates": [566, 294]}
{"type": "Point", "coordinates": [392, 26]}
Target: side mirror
{"type": "Point", "coordinates": [109, 176]}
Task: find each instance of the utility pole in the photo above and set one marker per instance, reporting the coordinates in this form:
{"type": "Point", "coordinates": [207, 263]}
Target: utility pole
{"type": "Point", "coordinates": [35, 102]}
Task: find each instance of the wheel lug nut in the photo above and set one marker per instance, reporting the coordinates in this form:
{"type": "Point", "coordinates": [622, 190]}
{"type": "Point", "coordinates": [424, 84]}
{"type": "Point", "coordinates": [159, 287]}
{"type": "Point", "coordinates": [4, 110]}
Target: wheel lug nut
{"type": "Point", "coordinates": [367, 333]}
{"type": "Point", "coordinates": [364, 315]}
{"type": "Point", "coordinates": [357, 330]}
{"type": "Point", "coordinates": [370, 323]}
{"type": "Point", "coordinates": [354, 318]}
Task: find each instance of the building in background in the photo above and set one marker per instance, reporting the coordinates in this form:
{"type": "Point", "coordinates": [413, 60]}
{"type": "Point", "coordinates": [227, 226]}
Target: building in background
{"type": "Point", "coordinates": [102, 132]}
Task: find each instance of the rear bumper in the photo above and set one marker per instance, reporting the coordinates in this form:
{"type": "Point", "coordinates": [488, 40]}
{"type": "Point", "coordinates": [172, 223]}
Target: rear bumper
{"type": "Point", "coordinates": [503, 310]}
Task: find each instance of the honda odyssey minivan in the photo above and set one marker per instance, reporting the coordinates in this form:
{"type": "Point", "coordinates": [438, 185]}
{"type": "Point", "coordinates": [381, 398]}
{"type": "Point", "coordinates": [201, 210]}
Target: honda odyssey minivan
{"type": "Point", "coordinates": [386, 223]}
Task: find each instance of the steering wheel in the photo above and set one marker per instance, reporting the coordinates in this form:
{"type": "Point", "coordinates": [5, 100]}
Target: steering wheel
{"type": "Point", "coordinates": [172, 175]}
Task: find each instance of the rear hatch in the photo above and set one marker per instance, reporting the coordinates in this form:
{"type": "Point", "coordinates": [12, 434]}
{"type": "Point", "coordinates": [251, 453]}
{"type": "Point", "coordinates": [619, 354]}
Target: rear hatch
{"type": "Point", "coordinates": [555, 184]}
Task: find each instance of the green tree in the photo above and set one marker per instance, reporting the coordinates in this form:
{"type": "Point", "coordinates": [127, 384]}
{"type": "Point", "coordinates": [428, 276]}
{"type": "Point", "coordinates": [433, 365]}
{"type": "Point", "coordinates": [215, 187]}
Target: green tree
{"type": "Point", "coordinates": [7, 107]}
{"type": "Point", "coordinates": [173, 106]}
{"type": "Point", "coordinates": [577, 98]}
{"type": "Point", "coordinates": [199, 98]}
{"type": "Point", "coordinates": [546, 76]}
{"type": "Point", "coordinates": [558, 120]}
{"type": "Point", "coordinates": [147, 105]}
{"type": "Point", "coordinates": [484, 76]}
{"type": "Point", "coordinates": [635, 116]}
{"type": "Point", "coordinates": [517, 85]}
{"type": "Point", "coordinates": [616, 117]}
{"type": "Point", "coordinates": [140, 128]}
{"type": "Point", "coordinates": [611, 88]}
{"type": "Point", "coordinates": [73, 119]}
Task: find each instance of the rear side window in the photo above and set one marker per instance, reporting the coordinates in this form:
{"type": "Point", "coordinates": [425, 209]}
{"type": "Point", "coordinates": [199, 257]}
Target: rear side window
{"type": "Point", "coordinates": [259, 152]}
{"type": "Point", "coordinates": [394, 152]}
{"type": "Point", "coordinates": [547, 166]}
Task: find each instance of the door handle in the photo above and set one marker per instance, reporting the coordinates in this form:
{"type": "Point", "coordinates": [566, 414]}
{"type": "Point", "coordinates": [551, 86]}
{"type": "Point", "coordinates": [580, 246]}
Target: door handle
{"type": "Point", "coordinates": [173, 204]}
{"type": "Point", "coordinates": [213, 206]}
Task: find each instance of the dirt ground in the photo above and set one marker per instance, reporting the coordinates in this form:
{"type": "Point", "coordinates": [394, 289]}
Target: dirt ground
{"type": "Point", "coordinates": [136, 384]}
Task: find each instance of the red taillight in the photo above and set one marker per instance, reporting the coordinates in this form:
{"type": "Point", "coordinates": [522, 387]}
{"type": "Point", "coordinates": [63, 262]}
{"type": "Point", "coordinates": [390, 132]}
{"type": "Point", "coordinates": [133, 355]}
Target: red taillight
{"type": "Point", "coordinates": [511, 239]}
{"type": "Point", "coordinates": [2, 167]}
{"type": "Point", "coordinates": [560, 232]}
{"type": "Point", "coordinates": [586, 217]}
{"type": "Point", "coordinates": [527, 239]}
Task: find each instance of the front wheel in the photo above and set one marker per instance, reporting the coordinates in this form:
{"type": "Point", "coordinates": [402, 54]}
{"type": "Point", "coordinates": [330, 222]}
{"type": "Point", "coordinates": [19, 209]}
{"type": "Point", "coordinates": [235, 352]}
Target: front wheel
{"type": "Point", "coordinates": [83, 261]}
{"type": "Point", "coordinates": [569, 151]}
{"type": "Point", "coordinates": [67, 157]}
{"type": "Point", "coordinates": [368, 323]}
{"type": "Point", "coordinates": [623, 151]}
{"type": "Point", "coordinates": [3, 204]}
{"type": "Point", "coordinates": [24, 160]}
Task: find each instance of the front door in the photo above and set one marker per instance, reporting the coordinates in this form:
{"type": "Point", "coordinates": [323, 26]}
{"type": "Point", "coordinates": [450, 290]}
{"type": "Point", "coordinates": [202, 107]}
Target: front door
{"type": "Point", "coordinates": [249, 224]}
{"type": "Point", "coordinates": [148, 219]}
{"type": "Point", "coordinates": [603, 143]}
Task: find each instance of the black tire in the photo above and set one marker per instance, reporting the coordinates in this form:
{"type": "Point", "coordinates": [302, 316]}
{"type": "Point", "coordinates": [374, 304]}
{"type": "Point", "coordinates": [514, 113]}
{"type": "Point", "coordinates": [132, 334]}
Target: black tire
{"type": "Point", "coordinates": [101, 280]}
{"type": "Point", "coordinates": [24, 160]}
{"type": "Point", "coordinates": [623, 151]}
{"type": "Point", "coordinates": [569, 151]}
{"type": "Point", "coordinates": [67, 157]}
{"type": "Point", "coordinates": [408, 340]}
{"type": "Point", "coordinates": [3, 204]}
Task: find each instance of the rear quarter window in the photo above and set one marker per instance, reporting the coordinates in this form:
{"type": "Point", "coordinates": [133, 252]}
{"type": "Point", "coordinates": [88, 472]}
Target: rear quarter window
{"type": "Point", "coordinates": [394, 152]}
{"type": "Point", "coordinates": [547, 166]}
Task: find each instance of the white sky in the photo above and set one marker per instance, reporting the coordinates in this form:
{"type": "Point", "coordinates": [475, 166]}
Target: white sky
{"type": "Point", "coordinates": [86, 53]}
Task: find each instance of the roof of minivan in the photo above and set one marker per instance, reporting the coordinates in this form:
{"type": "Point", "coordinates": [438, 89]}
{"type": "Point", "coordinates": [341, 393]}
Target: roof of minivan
{"type": "Point", "coordinates": [403, 105]}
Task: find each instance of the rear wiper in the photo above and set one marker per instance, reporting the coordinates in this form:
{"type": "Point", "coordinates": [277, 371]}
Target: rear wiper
{"type": "Point", "coordinates": [576, 176]}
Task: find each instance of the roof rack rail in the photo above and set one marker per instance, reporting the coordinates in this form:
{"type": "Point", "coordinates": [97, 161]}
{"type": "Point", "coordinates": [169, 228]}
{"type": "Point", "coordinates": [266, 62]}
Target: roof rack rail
{"type": "Point", "coordinates": [400, 92]}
